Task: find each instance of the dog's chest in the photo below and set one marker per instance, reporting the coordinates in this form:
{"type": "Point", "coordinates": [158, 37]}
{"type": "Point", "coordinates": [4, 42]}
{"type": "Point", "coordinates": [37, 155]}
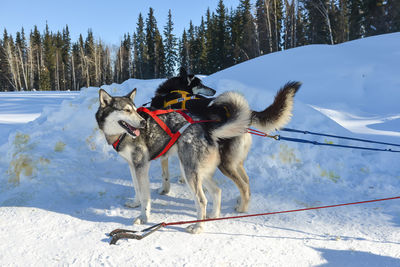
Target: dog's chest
{"type": "Point", "coordinates": [134, 155]}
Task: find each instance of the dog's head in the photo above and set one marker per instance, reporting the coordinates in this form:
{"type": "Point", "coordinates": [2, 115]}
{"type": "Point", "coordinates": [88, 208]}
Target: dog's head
{"type": "Point", "coordinates": [184, 82]}
{"type": "Point", "coordinates": [117, 115]}
{"type": "Point", "coordinates": [193, 84]}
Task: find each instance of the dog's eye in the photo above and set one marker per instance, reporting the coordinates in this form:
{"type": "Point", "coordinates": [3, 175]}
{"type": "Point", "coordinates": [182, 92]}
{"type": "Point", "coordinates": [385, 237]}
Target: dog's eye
{"type": "Point", "coordinates": [127, 110]}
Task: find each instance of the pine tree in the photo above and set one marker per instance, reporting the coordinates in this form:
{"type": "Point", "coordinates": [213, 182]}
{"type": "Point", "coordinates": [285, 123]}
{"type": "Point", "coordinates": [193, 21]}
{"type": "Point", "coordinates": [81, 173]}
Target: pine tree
{"type": "Point", "coordinates": [319, 28]}
{"type": "Point", "coordinates": [151, 28]}
{"type": "Point", "coordinates": [393, 15]}
{"type": "Point", "coordinates": [248, 38]}
{"type": "Point", "coordinates": [124, 69]}
{"type": "Point", "coordinates": [202, 43]}
{"type": "Point", "coordinates": [197, 49]}
{"type": "Point", "coordinates": [77, 65]}
{"type": "Point", "coordinates": [106, 63]}
{"type": "Point", "coordinates": [58, 44]}
{"type": "Point", "coordinates": [264, 30]}
{"type": "Point", "coordinates": [356, 30]}
{"type": "Point", "coordinates": [65, 56]}
{"type": "Point", "coordinates": [159, 55]}
{"type": "Point", "coordinates": [140, 49]}
{"type": "Point", "coordinates": [290, 25]}
{"type": "Point", "coordinates": [276, 23]}
{"type": "Point", "coordinates": [184, 51]}
{"type": "Point", "coordinates": [211, 50]}
{"type": "Point", "coordinates": [5, 68]}
{"type": "Point", "coordinates": [170, 47]}
{"type": "Point", "coordinates": [48, 69]}
{"type": "Point", "coordinates": [235, 35]}
{"type": "Point", "coordinates": [374, 17]}
{"type": "Point", "coordinates": [342, 27]}
{"type": "Point", "coordinates": [300, 27]}
{"type": "Point", "coordinates": [191, 47]}
{"type": "Point", "coordinates": [89, 53]}
{"type": "Point", "coordinates": [37, 55]}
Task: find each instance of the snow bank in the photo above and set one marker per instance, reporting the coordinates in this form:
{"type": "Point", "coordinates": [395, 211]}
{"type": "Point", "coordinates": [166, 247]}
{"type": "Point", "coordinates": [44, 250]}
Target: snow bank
{"type": "Point", "coordinates": [63, 187]}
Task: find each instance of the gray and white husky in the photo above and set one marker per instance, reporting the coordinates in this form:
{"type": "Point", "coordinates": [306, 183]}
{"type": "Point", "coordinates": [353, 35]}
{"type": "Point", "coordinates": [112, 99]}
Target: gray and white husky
{"type": "Point", "coordinates": [201, 148]}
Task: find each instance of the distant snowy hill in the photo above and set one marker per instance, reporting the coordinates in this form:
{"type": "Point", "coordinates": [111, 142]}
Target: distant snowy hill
{"type": "Point", "coordinates": [62, 187]}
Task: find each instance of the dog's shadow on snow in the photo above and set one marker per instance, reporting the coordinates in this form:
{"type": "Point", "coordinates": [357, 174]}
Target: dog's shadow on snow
{"type": "Point", "coordinates": [104, 201]}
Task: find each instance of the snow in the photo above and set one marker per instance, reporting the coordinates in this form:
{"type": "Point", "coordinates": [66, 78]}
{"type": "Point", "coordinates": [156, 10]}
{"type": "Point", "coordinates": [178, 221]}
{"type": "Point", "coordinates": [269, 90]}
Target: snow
{"type": "Point", "coordinates": [62, 188]}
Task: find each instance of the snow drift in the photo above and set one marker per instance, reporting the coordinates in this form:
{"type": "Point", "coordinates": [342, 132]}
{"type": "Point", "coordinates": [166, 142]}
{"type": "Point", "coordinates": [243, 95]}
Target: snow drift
{"type": "Point", "coordinates": [62, 187]}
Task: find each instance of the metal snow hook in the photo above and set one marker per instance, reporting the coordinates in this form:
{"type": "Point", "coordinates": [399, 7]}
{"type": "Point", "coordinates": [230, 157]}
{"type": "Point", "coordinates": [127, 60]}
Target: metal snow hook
{"type": "Point", "coordinates": [117, 234]}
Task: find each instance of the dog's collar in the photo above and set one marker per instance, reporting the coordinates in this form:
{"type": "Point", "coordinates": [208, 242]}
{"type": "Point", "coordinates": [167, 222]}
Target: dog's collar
{"type": "Point", "coordinates": [118, 142]}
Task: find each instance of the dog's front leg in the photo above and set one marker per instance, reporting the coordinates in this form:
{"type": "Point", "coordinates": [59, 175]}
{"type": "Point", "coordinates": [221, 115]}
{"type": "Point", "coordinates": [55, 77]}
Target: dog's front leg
{"type": "Point", "coordinates": [136, 202]}
{"type": "Point", "coordinates": [165, 177]}
{"type": "Point", "coordinates": [143, 188]}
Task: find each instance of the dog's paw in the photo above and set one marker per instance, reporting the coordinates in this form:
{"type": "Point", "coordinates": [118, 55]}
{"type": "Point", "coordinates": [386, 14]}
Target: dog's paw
{"type": "Point", "coordinates": [241, 206]}
{"type": "Point", "coordinates": [194, 229]}
{"type": "Point", "coordinates": [132, 203]}
{"type": "Point", "coordinates": [181, 180]}
{"type": "Point", "coordinates": [163, 191]}
{"type": "Point", "coordinates": [140, 220]}
{"type": "Point", "coordinates": [214, 215]}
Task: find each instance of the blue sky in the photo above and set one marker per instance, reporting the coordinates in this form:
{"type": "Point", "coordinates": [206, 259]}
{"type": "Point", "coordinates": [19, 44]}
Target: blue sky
{"type": "Point", "coordinates": [109, 20]}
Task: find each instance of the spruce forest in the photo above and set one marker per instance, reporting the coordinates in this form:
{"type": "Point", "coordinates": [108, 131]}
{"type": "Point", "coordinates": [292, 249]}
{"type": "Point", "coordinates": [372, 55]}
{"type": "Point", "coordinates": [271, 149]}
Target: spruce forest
{"type": "Point", "coordinates": [52, 61]}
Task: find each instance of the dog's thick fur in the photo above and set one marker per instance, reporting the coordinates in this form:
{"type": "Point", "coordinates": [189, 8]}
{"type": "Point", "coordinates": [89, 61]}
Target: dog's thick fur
{"type": "Point", "coordinates": [201, 149]}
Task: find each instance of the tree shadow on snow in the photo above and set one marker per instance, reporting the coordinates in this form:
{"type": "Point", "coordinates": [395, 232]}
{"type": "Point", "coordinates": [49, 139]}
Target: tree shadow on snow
{"type": "Point", "coordinates": [345, 258]}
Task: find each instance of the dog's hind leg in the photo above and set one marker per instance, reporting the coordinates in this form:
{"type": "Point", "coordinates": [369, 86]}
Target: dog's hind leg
{"type": "Point", "coordinates": [198, 169]}
{"type": "Point", "coordinates": [194, 183]}
{"type": "Point", "coordinates": [215, 192]}
{"type": "Point", "coordinates": [243, 173]}
{"type": "Point", "coordinates": [165, 177]}
{"type": "Point", "coordinates": [233, 154]}
{"type": "Point", "coordinates": [243, 186]}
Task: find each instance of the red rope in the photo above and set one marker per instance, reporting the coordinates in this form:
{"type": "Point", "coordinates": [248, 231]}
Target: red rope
{"type": "Point", "coordinates": [277, 212]}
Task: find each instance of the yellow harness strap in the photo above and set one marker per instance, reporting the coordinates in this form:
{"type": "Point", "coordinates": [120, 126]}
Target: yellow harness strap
{"type": "Point", "coordinates": [184, 97]}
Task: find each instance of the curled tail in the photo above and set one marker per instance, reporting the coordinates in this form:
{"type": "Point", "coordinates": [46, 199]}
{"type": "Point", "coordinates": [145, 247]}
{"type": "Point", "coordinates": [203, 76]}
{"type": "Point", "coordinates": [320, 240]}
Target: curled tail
{"type": "Point", "coordinates": [238, 115]}
{"type": "Point", "coordinates": [279, 112]}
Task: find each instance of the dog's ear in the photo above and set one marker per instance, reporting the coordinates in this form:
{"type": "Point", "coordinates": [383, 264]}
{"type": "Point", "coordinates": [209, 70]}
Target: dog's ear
{"type": "Point", "coordinates": [132, 95]}
{"type": "Point", "coordinates": [105, 98]}
{"type": "Point", "coordinates": [183, 73]}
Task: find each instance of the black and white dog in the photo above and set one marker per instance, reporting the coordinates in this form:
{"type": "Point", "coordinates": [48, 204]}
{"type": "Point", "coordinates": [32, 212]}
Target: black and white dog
{"type": "Point", "coordinates": [201, 148]}
{"type": "Point", "coordinates": [190, 93]}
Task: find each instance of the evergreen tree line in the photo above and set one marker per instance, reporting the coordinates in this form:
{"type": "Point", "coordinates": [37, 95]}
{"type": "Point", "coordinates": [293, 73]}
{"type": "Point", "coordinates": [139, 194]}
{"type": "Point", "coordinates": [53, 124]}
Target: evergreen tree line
{"type": "Point", "coordinates": [50, 61]}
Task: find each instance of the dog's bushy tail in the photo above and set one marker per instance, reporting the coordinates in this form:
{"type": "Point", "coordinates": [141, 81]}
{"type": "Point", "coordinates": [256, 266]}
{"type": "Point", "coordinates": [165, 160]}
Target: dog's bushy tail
{"type": "Point", "coordinates": [278, 114]}
{"type": "Point", "coordinates": [238, 115]}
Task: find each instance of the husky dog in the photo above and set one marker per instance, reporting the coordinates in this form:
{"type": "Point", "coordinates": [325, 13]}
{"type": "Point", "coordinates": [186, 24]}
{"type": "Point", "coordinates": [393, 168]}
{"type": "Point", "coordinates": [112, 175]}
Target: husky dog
{"type": "Point", "coordinates": [184, 82]}
{"type": "Point", "coordinates": [201, 148]}
{"type": "Point", "coordinates": [171, 89]}
{"type": "Point", "coordinates": [233, 151]}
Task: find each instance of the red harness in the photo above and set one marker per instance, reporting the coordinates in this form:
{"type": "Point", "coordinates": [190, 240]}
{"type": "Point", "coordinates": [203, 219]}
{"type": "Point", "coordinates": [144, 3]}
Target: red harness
{"type": "Point", "coordinates": [174, 136]}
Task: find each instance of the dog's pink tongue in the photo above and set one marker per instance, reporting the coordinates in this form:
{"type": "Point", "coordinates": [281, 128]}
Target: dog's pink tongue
{"type": "Point", "coordinates": [137, 132]}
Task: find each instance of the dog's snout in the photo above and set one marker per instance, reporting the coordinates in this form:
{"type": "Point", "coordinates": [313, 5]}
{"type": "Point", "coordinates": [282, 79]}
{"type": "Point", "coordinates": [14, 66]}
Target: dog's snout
{"type": "Point", "coordinates": [142, 123]}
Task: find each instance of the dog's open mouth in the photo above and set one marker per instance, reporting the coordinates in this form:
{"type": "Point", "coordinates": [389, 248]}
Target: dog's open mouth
{"type": "Point", "coordinates": [134, 132]}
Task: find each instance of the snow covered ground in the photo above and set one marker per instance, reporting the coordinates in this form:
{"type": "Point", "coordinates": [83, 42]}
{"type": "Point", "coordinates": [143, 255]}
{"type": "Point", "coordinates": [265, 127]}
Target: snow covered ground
{"type": "Point", "coordinates": [62, 188]}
